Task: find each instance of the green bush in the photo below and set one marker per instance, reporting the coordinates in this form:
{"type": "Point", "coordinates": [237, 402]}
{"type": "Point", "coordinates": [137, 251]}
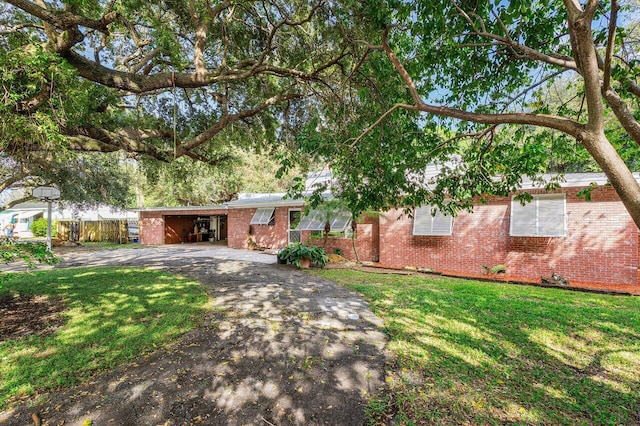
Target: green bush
{"type": "Point", "coordinates": [293, 253]}
{"type": "Point", "coordinates": [39, 228]}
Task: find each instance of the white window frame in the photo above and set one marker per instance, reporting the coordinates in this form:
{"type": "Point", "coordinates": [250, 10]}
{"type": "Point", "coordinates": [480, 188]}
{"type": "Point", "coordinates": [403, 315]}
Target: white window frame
{"type": "Point", "coordinates": [544, 216]}
{"type": "Point", "coordinates": [263, 216]}
{"type": "Point", "coordinates": [426, 223]}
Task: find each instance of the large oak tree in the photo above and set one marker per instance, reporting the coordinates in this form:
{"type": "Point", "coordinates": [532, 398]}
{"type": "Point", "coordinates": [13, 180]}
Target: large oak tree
{"type": "Point", "coordinates": [166, 79]}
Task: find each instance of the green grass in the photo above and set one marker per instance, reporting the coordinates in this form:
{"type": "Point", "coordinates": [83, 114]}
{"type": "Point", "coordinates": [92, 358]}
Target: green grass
{"type": "Point", "coordinates": [112, 315]}
{"type": "Point", "coordinates": [469, 352]}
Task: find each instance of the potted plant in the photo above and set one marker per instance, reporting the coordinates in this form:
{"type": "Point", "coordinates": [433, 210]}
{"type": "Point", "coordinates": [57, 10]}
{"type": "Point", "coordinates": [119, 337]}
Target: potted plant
{"type": "Point", "coordinates": [302, 255]}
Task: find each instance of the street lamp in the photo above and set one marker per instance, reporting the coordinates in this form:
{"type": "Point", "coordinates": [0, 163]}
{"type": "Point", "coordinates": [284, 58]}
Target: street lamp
{"type": "Point", "coordinates": [48, 194]}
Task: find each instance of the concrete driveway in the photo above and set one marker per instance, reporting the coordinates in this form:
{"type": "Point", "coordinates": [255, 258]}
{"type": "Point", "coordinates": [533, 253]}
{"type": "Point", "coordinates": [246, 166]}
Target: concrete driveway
{"type": "Point", "coordinates": [278, 347]}
{"type": "Point", "coordinates": [148, 256]}
{"type": "Point", "coordinates": [164, 255]}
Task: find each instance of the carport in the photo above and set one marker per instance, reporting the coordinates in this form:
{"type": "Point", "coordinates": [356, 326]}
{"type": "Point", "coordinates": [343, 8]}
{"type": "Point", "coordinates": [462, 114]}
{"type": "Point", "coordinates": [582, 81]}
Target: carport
{"type": "Point", "coordinates": [194, 228]}
{"type": "Point", "coordinates": [181, 225]}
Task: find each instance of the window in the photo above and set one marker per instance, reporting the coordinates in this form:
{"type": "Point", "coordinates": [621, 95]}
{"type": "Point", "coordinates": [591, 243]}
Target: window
{"type": "Point", "coordinates": [315, 221]}
{"type": "Point", "coordinates": [263, 216]}
{"type": "Point", "coordinates": [341, 221]}
{"type": "Point", "coordinates": [425, 223]}
{"type": "Point", "coordinates": [544, 216]}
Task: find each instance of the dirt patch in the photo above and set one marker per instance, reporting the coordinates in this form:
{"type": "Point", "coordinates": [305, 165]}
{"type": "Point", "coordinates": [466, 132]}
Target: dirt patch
{"type": "Point", "coordinates": [27, 315]}
{"type": "Point", "coordinates": [278, 347]}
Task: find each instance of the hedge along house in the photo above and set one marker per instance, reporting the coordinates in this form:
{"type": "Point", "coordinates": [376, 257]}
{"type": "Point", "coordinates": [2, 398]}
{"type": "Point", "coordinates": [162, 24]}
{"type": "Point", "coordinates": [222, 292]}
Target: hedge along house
{"type": "Point", "coordinates": [592, 244]}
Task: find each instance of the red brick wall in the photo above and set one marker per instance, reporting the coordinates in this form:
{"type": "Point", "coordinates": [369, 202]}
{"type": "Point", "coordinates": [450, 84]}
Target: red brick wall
{"type": "Point", "coordinates": [268, 236]}
{"type": "Point", "coordinates": [151, 228]}
{"type": "Point", "coordinates": [600, 249]}
{"type": "Point", "coordinates": [366, 239]}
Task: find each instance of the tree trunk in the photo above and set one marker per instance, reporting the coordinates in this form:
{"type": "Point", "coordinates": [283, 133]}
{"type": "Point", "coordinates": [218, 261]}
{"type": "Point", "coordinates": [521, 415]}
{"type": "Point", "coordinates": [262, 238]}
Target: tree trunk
{"type": "Point", "coordinates": [619, 175]}
{"type": "Point", "coordinates": [354, 235]}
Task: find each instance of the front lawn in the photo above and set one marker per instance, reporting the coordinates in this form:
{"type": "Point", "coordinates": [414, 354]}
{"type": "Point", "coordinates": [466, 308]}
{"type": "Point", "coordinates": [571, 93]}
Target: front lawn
{"type": "Point", "coordinates": [72, 323]}
{"type": "Point", "coordinates": [468, 352]}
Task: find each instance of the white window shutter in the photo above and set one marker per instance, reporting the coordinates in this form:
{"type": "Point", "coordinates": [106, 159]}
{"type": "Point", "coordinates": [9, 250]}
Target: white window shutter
{"type": "Point", "coordinates": [441, 224]}
{"type": "Point", "coordinates": [544, 216]}
{"type": "Point", "coordinates": [551, 216]}
{"type": "Point", "coordinates": [262, 216]}
{"type": "Point", "coordinates": [523, 219]}
{"type": "Point", "coordinates": [424, 223]}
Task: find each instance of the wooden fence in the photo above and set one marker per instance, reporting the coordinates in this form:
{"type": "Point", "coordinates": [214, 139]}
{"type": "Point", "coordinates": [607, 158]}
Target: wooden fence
{"type": "Point", "coordinates": [112, 231]}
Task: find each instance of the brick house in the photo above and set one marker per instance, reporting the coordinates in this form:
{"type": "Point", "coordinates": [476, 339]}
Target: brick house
{"type": "Point", "coordinates": [592, 244]}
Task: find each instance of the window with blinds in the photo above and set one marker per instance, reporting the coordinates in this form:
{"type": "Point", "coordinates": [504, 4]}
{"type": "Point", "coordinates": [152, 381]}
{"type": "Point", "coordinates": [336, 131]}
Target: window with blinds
{"type": "Point", "coordinates": [544, 216]}
{"type": "Point", "coordinates": [426, 223]}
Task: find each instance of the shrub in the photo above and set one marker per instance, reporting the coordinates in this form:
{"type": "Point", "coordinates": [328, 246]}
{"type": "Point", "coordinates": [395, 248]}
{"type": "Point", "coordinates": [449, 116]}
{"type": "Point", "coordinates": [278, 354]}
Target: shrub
{"type": "Point", "coordinates": [39, 228]}
{"type": "Point", "coordinates": [293, 253]}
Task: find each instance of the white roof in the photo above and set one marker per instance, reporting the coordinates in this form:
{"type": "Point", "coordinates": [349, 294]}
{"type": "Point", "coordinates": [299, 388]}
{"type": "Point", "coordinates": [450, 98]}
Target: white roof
{"type": "Point", "coordinates": [268, 200]}
{"type": "Point", "coordinates": [430, 174]}
{"type": "Point", "coordinates": [28, 214]}
{"type": "Point", "coordinates": [572, 180]}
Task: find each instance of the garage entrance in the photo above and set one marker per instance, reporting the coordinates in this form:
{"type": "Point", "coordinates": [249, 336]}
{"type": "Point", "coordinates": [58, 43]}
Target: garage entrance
{"type": "Point", "coordinates": [191, 228]}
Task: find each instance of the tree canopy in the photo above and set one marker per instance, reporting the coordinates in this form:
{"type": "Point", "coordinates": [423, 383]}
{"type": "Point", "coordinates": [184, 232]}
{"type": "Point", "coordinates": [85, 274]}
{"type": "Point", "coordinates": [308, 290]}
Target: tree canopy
{"type": "Point", "coordinates": [465, 85]}
{"type": "Point", "coordinates": [168, 79]}
{"type": "Point", "coordinates": [379, 89]}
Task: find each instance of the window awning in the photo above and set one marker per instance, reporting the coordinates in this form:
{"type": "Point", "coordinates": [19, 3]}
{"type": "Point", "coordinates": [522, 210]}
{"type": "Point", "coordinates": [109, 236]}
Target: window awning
{"type": "Point", "coordinates": [262, 216]}
{"type": "Point", "coordinates": [341, 221]}
{"type": "Point", "coordinates": [425, 223]}
{"type": "Point", "coordinates": [26, 215]}
{"type": "Point", "coordinates": [315, 220]}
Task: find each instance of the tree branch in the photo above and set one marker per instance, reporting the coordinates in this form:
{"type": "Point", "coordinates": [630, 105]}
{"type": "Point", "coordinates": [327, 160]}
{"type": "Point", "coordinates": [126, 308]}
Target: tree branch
{"type": "Point", "coordinates": [610, 45]}
{"type": "Point", "coordinates": [16, 28]}
{"type": "Point", "coordinates": [64, 20]}
{"type": "Point", "coordinates": [16, 202]}
{"type": "Point", "coordinates": [31, 105]}
{"type": "Point", "coordinates": [8, 182]}
{"type": "Point", "coordinates": [565, 125]}
{"type": "Point", "coordinates": [205, 136]}
{"type": "Point", "coordinates": [380, 120]}
{"type": "Point", "coordinates": [623, 114]}
{"type": "Point", "coordinates": [417, 99]}
{"type": "Point", "coordinates": [580, 29]}
{"type": "Point", "coordinates": [527, 52]}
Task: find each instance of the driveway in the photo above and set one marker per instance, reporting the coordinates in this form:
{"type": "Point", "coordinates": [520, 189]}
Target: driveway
{"type": "Point", "coordinates": [278, 347]}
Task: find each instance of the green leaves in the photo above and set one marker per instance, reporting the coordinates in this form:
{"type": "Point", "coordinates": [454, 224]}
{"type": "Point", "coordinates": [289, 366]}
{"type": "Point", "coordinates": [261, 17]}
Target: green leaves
{"type": "Point", "coordinates": [296, 252]}
{"type": "Point", "coordinates": [29, 253]}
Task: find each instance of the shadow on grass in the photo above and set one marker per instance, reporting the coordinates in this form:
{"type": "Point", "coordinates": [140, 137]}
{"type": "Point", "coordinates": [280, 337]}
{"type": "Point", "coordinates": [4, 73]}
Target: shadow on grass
{"type": "Point", "coordinates": [493, 353]}
{"type": "Point", "coordinates": [111, 316]}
